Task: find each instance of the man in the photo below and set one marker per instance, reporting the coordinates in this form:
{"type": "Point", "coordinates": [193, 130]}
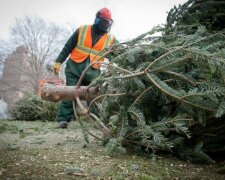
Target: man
{"type": "Point", "coordinates": [84, 47]}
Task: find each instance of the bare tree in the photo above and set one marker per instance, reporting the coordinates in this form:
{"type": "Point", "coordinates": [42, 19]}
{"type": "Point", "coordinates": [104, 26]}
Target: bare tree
{"type": "Point", "coordinates": [1, 64]}
{"type": "Point", "coordinates": [43, 41]}
{"type": "Point", "coordinates": [4, 51]}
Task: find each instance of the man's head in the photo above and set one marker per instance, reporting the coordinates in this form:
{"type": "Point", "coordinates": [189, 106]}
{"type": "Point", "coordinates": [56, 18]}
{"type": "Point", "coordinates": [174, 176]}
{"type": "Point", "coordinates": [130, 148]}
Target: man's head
{"type": "Point", "coordinates": [104, 20]}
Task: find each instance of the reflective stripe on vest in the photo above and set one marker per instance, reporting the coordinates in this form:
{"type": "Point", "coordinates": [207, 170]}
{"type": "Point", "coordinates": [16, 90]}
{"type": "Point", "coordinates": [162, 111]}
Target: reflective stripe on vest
{"type": "Point", "coordinates": [84, 47]}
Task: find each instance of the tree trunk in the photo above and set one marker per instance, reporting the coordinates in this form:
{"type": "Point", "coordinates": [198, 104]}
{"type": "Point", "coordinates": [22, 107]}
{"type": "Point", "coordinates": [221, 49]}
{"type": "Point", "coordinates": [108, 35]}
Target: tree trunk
{"type": "Point", "coordinates": [56, 93]}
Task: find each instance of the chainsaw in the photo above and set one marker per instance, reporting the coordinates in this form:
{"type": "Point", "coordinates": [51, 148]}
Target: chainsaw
{"type": "Point", "coordinates": [53, 79]}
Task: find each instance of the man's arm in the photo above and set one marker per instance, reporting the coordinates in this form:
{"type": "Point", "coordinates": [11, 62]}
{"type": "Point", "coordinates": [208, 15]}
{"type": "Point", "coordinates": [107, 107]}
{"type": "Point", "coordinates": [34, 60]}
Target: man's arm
{"type": "Point", "coordinates": [68, 47]}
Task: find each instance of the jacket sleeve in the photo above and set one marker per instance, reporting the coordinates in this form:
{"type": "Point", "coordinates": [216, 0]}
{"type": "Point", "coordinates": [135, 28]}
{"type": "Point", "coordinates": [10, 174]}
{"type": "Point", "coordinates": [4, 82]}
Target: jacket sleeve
{"type": "Point", "coordinates": [68, 47]}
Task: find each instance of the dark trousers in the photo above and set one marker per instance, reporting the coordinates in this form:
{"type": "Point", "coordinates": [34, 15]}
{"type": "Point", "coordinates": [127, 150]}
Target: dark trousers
{"type": "Point", "coordinates": [73, 72]}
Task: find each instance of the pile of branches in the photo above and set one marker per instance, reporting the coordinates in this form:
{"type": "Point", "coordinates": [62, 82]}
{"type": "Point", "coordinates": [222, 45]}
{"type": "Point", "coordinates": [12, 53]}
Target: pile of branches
{"type": "Point", "coordinates": [31, 107]}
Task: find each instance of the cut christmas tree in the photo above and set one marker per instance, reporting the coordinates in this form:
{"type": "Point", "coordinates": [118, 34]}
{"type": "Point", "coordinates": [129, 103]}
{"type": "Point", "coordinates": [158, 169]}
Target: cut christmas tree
{"type": "Point", "coordinates": [167, 92]}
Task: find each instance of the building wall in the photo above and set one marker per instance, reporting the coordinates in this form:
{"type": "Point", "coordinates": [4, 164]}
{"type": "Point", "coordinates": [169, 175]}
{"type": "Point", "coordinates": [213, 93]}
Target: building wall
{"type": "Point", "coordinates": [13, 83]}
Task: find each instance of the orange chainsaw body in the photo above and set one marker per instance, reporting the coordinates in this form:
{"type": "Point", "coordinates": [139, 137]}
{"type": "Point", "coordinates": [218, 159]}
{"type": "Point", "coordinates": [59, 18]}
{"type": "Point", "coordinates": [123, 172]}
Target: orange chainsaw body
{"type": "Point", "coordinates": [55, 81]}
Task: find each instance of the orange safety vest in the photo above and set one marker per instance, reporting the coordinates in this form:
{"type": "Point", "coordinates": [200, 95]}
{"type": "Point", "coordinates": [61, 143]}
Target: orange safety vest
{"type": "Point", "coordinates": [84, 47]}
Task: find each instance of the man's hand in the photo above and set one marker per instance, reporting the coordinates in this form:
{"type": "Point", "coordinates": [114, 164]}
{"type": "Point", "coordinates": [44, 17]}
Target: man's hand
{"type": "Point", "coordinates": [56, 67]}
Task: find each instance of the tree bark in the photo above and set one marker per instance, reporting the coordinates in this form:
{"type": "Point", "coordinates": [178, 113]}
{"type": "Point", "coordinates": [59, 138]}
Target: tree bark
{"type": "Point", "coordinates": [57, 93]}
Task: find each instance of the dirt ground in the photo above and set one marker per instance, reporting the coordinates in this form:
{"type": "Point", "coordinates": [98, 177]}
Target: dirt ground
{"type": "Point", "coordinates": [39, 150]}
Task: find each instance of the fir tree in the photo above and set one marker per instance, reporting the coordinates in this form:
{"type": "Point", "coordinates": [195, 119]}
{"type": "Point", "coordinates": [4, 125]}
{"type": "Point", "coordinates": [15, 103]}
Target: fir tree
{"type": "Point", "coordinates": [167, 93]}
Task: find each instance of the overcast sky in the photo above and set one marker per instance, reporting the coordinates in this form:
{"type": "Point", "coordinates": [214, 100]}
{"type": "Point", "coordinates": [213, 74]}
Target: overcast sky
{"type": "Point", "coordinates": [131, 17]}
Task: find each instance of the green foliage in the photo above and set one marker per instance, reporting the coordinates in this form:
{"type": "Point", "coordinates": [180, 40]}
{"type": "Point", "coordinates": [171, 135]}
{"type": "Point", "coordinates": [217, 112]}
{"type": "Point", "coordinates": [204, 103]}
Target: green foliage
{"type": "Point", "coordinates": [210, 13]}
{"type": "Point", "coordinates": [114, 146]}
{"type": "Point", "coordinates": [174, 88]}
{"type": "Point", "coordinates": [32, 107]}
{"type": "Point", "coordinates": [196, 156]}
{"type": "Point", "coordinates": [171, 90]}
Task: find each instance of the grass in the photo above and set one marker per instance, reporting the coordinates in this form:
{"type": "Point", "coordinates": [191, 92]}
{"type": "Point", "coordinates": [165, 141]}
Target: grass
{"type": "Point", "coordinates": [46, 152]}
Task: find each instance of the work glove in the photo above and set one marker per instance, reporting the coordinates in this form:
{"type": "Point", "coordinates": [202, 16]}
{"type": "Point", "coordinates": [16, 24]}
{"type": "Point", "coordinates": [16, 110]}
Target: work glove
{"type": "Point", "coordinates": [56, 67]}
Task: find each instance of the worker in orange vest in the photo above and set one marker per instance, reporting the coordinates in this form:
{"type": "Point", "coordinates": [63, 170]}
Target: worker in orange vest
{"type": "Point", "coordinates": [84, 47]}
